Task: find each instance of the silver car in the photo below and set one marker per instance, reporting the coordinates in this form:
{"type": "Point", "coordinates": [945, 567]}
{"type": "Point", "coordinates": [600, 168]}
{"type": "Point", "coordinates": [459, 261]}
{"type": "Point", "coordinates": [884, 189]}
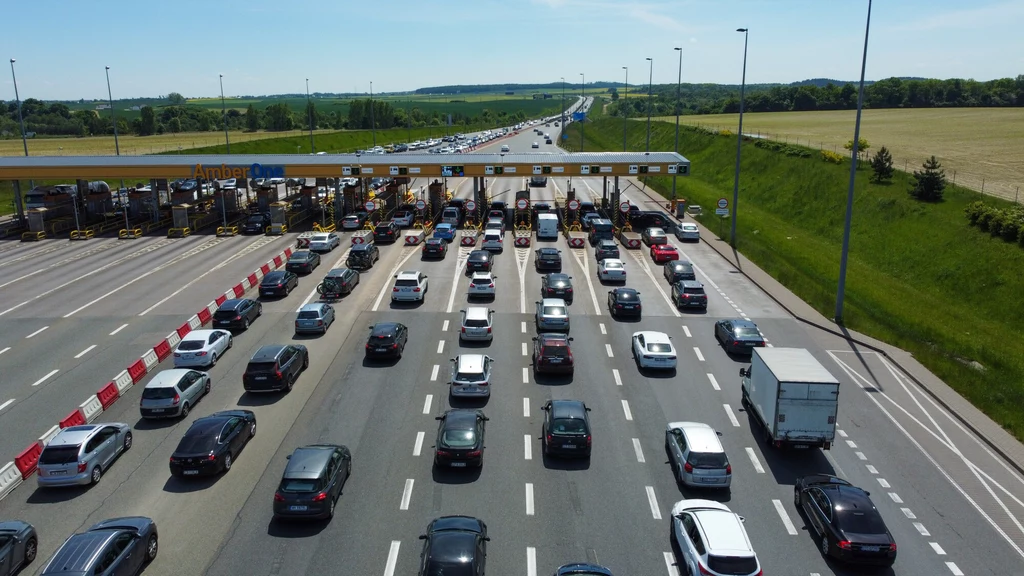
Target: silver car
{"type": "Point", "coordinates": [477, 324]}
{"type": "Point", "coordinates": [173, 393]}
{"type": "Point", "coordinates": [552, 315]}
{"type": "Point", "coordinates": [316, 317]}
{"type": "Point", "coordinates": [697, 456]}
{"type": "Point", "coordinates": [202, 348]}
{"type": "Point", "coordinates": [471, 376]}
{"type": "Point", "coordinates": [79, 455]}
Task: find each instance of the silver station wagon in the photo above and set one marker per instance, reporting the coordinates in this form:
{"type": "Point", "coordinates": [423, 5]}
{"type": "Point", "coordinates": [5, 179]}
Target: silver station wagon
{"type": "Point", "coordinates": [79, 455]}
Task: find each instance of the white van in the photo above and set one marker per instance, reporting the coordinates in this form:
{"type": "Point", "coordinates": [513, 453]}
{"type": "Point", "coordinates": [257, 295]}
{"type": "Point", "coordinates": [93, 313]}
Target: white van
{"type": "Point", "coordinates": [547, 226]}
{"type": "Point", "coordinates": [450, 215]}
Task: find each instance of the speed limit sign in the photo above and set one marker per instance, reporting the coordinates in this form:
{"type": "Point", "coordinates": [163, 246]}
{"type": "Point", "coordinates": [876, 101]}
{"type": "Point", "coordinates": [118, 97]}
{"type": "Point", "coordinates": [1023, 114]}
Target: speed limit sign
{"type": "Point", "coordinates": [421, 205]}
{"type": "Point", "coordinates": [470, 206]}
{"type": "Point", "coordinates": [574, 204]}
{"type": "Point", "coordinates": [522, 204]}
{"type": "Point", "coordinates": [624, 207]}
{"type": "Point", "coordinates": [370, 206]}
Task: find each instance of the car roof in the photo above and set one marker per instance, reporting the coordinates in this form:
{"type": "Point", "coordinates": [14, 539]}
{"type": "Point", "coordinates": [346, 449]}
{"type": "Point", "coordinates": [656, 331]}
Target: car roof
{"type": "Point", "coordinates": [444, 225]}
{"type": "Point", "coordinates": [655, 230]}
{"type": "Point", "coordinates": [477, 313]}
{"type": "Point", "coordinates": [568, 409]}
{"type": "Point", "coordinates": [167, 378]}
{"type": "Point", "coordinates": [605, 243]}
{"type": "Point", "coordinates": [74, 435]}
{"type": "Point", "coordinates": [433, 240]}
{"type": "Point", "coordinates": [666, 247]}
{"type": "Point", "coordinates": [723, 533]}
{"type": "Point", "coordinates": [409, 275]}
{"type": "Point", "coordinates": [546, 251]}
{"type": "Point", "coordinates": [384, 328]}
{"type": "Point", "coordinates": [480, 275]}
{"type": "Point", "coordinates": [361, 248]}
{"type": "Point", "coordinates": [652, 337]}
{"type": "Point", "coordinates": [847, 496]}
{"type": "Point", "coordinates": [480, 254]}
{"type": "Point", "coordinates": [558, 276]}
{"type": "Point", "coordinates": [553, 339]}
{"type": "Point", "coordinates": [681, 264]}
{"type": "Point", "coordinates": [461, 418]}
{"type": "Point", "coordinates": [338, 272]}
{"type": "Point", "coordinates": [313, 307]}
{"type": "Point", "coordinates": [323, 236]}
{"type": "Point", "coordinates": [275, 274]}
{"type": "Point", "coordinates": [267, 353]}
{"type": "Point", "coordinates": [691, 284]}
{"type": "Point", "coordinates": [740, 323]}
{"type": "Point", "coordinates": [308, 462]}
{"type": "Point", "coordinates": [607, 261]}
{"type": "Point", "coordinates": [200, 335]}
{"type": "Point", "coordinates": [231, 304]}
{"type": "Point", "coordinates": [700, 437]}
{"type": "Point", "coordinates": [470, 362]}
{"type": "Point", "coordinates": [570, 569]}
{"type": "Point", "coordinates": [79, 552]}
{"type": "Point", "coordinates": [552, 302]}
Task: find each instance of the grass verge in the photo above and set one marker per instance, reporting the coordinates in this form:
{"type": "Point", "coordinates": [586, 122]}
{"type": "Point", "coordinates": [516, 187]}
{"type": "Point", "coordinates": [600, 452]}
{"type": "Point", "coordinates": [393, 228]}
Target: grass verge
{"type": "Point", "coordinates": [130, 145]}
{"type": "Point", "coordinates": [919, 277]}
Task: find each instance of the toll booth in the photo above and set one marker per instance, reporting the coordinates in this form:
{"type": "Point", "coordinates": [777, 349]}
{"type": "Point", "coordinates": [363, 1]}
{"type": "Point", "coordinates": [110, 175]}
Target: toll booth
{"type": "Point", "coordinates": [436, 199]}
{"type": "Point", "coordinates": [184, 196]}
{"type": "Point", "coordinates": [390, 196]}
{"type": "Point", "coordinates": [351, 198]}
{"type": "Point", "coordinates": [179, 215]}
{"type": "Point", "coordinates": [226, 201]}
{"type": "Point", "coordinates": [307, 196]}
{"type": "Point", "coordinates": [36, 219]}
{"type": "Point", "coordinates": [266, 196]}
{"type": "Point", "coordinates": [279, 213]}
{"type": "Point", "coordinates": [137, 201]}
{"type": "Point", "coordinates": [97, 201]}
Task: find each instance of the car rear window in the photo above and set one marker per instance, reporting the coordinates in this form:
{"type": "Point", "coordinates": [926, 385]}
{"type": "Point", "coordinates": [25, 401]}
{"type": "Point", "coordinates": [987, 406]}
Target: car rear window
{"type": "Point", "coordinates": [406, 283]}
{"type": "Point", "coordinates": [626, 296]}
{"type": "Point", "coordinates": [665, 348]}
{"type": "Point", "coordinates": [308, 315]}
{"type": "Point", "coordinates": [225, 314]}
{"type": "Point", "coordinates": [694, 290]}
{"type": "Point", "coordinates": [554, 311]}
{"type": "Point", "coordinates": [612, 264]}
{"type": "Point", "coordinates": [569, 426]}
{"type": "Point", "coordinates": [191, 345]}
{"type": "Point", "coordinates": [459, 438]}
{"type": "Point", "coordinates": [480, 281]}
{"type": "Point", "coordinates": [158, 393]}
{"type": "Point", "coordinates": [856, 522]}
{"type": "Point", "coordinates": [732, 565]}
{"type": "Point", "coordinates": [481, 323]}
{"type": "Point", "coordinates": [708, 460]}
{"type": "Point", "coordinates": [193, 443]}
{"type": "Point", "coordinates": [556, 351]}
{"type": "Point", "coordinates": [469, 376]}
{"type": "Point", "coordinates": [300, 485]}
{"type": "Point", "coordinates": [262, 367]}
{"type": "Point", "coordinates": [549, 256]}
{"type": "Point", "coordinates": [59, 454]}
{"type": "Point", "coordinates": [744, 331]}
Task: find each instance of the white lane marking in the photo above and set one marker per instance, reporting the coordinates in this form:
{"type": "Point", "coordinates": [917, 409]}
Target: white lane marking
{"type": "Point", "coordinates": [444, 327]}
{"type": "Point", "coordinates": [407, 494]}
{"type": "Point", "coordinates": [785, 517]}
{"type": "Point", "coordinates": [44, 378]}
{"type": "Point", "coordinates": [6, 404]}
{"type": "Point", "coordinates": [670, 564]}
{"type": "Point", "coordinates": [753, 460]}
{"type": "Point", "coordinates": [526, 375]}
{"type": "Point", "coordinates": [526, 407]}
{"type": "Point", "coordinates": [433, 372]}
{"type": "Point", "coordinates": [700, 356]}
{"type": "Point", "coordinates": [524, 348]}
{"type": "Point", "coordinates": [639, 450]}
{"type": "Point", "coordinates": [522, 258]}
{"type": "Point", "coordinates": [895, 497]}
{"type": "Point", "coordinates": [528, 447]}
{"type": "Point", "coordinates": [714, 383]}
{"type": "Point", "coordinates": [84, 352]}
{"type": "Point", "coordinates": [883, 483]}
{"type": "Point", "coordinates": [522, 327]}
{"type": "Point", "coordinates": [618, 378]}
{"type": "Point", "coordinates": [5, 350]}
{"type": "Point", "coordinates": [608, 350]}
{"type": "Point", "coordinates": [731, 415]}
{"type": "Point", "coordinates": [653, 501]}
{"type": "Point", "coordinates": [639, 259]}
{"type": "Point", "coordinates": [376, 303]}
{"type": "Point", "coordinates": [921, 529]}
{"type": "Point", "coordinates": [687, 332]}
{"type": "Point", "coordinates": [909, 513]}
{"type": "Point", "coordinates": [36, 332]}
{"type": "Point", "coordinates": [427, 402]}
{"type": "Point", "coordinates": [440, 346]}
{"type": "Point", "coordinates": [119, 328]}
{"type": "Point", "coordinates": [872, 469]}
{"type": "Point", "coordinates": [841, 432]}
{"type": "Point", "coordinates": [851, 443]}
{"type": "Point", "coordinates": [625, 409]}
{"type": "Point", "coordinates": [770, 345]}
{"type": "Point", "coordinates": [604, 331]}
{"type": "Point", "coordinates": [531, 561]}
{"type": "Point", "coordinates": [389, 568]}
{"type": "Point", "coordinates": [954, 569]}
{"type": "Point", "coordinates": [938, 549]}
{"type": "Point", "coordinates": [418, 447]}
{"type": "Point", "coordinates": [529, 499]}
{"type": "Point", "coordinates": [585, 264]}
{"type": "Point", "coordinates": [861, 456]}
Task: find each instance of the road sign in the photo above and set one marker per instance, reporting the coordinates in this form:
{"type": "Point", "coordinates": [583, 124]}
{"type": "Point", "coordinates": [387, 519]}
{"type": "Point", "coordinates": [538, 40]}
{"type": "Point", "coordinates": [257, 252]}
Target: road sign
{"type": "Point", "coordinates": [624, 207]}
{"type": "Point", "coordinates": [470, 206]}
{"type": "Point", "coordinates": [574, 204]}
{"type": "Point", "coordinates": [522, 204]}
{"type": "Point", "coordinates": [421, 205]}
{"type": "Point", "coordinates": [370, 206]}
{"type": "Point", "coordinates": [722, 211]}
{"type": "Point", "coordinates": [579, 116]}
{"type": "Point", "coordinates": [723, 203]}
{"type": "Point", "coordinates": [393, 170]}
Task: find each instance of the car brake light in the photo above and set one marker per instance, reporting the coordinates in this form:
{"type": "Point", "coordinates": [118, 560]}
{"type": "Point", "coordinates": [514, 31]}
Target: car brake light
{"type": "Point", "coordinates": [618, 305]}
{"type": "Point", "coordinates": [549, 438]}
{"type": "Point", "coordinates": [845, 544]}
{"type": "Point", "coordinates": [488, 329]}
{"type": "Point", "coordinates": [892, 547]}
{"type": "Point", "coordinates": [728, 468]}
{"type": "Point", "coordinates": [735, 342]}
{"type": "Point", "coordinates": [394, 346]}
{"type": "Point", "coordinates": [212, 457]}
{"type": "Point", "coordinates": [396, 289]}
{"type": "Point", "coordinates": [688, 467]}
{"type": "Point", "coordinates": [416, 289]}
{"type": "Point", "coordinates": [704, 571]}
{"type": "Point", "coordinates": [589, 440]}
{"type": "Point", "coordinates": [176, 398]}
{"type": "Point", "coordinates": [277, 374]}
{"type": "Point", "coordinates": [568, 289]}
{"type": "Point", "coordinates": [481, 383]}
{"type": "Point", "coordinates": [473, 453]}
{"type": "Point", "coordinates": [319, 322]}
{"type": "Point", "coordinates": [320, 497]}
{"type": "Point", "coordinates": [367, 346]}
{"type": "Point", "coordinates": [443, 453]}
{"type": "Point", "coordinates": [81, 467]}
{"type": "Point", "coordinates": [200, 353]}
{"type": "Point", "coordinates": [464, 329]}
{"type": "Point", "coordinates": [491, 285]}
{"type": "Point", "coordinates": [278, 497]}
{"type": "Point", "coordinates": [239, 317]}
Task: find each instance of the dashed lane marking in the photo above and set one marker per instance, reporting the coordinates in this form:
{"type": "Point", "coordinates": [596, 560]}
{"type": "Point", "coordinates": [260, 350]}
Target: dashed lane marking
{"type": "Point", "coordinates": [526, 407]}
{"type": "Point", "coordinates": [895, 497]}
{"type": "Point", "coordinates": [45, 378]}
{"type": "Point", "coordinates": [714, 383]}
{"type": "Point", "coordinates": [119, 328]}
{"type": "Point", "coordinates": [84, 352]}
{"type": "Point", "coordinates": [753, 460]}
{"type": "Point", "coordinates": [604, 331]}
{"type": "Point", "coordinates": [653, 501]}
{"type": "Point", "coordinates": [608, 350]}
{"type": "Point", "coordinates": [444, 327]}
{"type": "Point", "coordinates": [5, 350]}
{"type": "Point", "coordinates": [528, 447]}
{"type": "Point", "coordinates": [731, 415]}
{"type": "Point", "coordinates": [851, 443]}
{"type": "Point", "coordinates": [37, 332]}
{"type": "Point", "coordinates": [938, 549]}
{"type": "Point", "coordinates": [427, 402]}
{"type": "Point", "coordinates": [883, 483]}
{"type": "Point", "coordinates": [872, 469]}
{"type": "Point", "coordinates": [392, 563]}
{"type": "Point", "coordinates": [861, 456]}
{"type": "Point", "coordinates": [616, 376]}
{"type": "Point", "coordinates": [6, 404]}
{"type": "Point", "coordinates": [529, 499]}
{"type": "Point", "coordinates": [909, 513]}
{"type": "Point", "coordinates": [686, 330]}
{"type": "Point", "coordinates": [840, 431]}
{"type": "Point", "coordinates": [526, 375]}
{"type": "Point", "coordinates": [954, 569]}
{"type": "Point", "coordinates": [440, 346]}
{"type": "Point", "coordinates": [419, 443]}
{"type": "Point", "coordinates": [524, 348]}
{"type": "Point", "coordinates": [639, 450]}
{"type": "Point", "coordinates": [433, 372]}
{"type": "Point", "coordinates": [625, 409]}
{"type": "Point", "coordinates": [407, 494]}
{"type": "Point", "coordinates": [670, 564]}
{"type": "Point", "coordinates": [531, 561]}
{"type": "Point", "coordinates": [784, 516]}
{"type": "Point", "coordinates": [921, 529]}
{"type": "Point", "coordinates": [700, 356]}
{"type": "Point", "coordinates": [522, 327]}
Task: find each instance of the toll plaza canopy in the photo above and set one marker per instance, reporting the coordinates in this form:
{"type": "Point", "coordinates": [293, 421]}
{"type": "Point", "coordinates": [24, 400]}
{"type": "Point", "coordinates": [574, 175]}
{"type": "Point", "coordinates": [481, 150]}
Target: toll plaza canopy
{"type": "Point", "coordinates": [222, 166]}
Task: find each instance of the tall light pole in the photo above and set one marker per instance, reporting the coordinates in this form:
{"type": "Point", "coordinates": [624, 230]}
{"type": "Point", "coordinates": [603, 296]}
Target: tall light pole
{"type": "Point", "coordinates": [309, 109]}
{"type": "Point", "coordinates": [224, 112]}
{"type": "Point", "coordinates": [650, 99]}
{"type": "Point", "coordinates": [583, 94]}
{"type": "Point", "coordinates": [679, 84]}
{"type": "Point", "coordinates": [853, 173]}
{"type": "Point", "coordinates": [113, 115]}
{"type": "Point", "coordinates": [739, 144]}
{"type": "Point", "coordinates": [373, 121]}
{"type": "Point", "coordinates": [563, 105]}
{"type": "Point", "coordinates": [21, 119]}
{"type": "Point", "coordinates": [625, 111]}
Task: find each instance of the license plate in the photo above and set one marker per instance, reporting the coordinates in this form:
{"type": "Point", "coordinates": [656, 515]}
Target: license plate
{"type": "Point", "coordinates": [223, 321]}
{"type": "Point", "coordinates": [458, 464]}
{"type": "Point", "coordinates": [191, 472]}
{"type": "Point", "coordinates": [156, 410]}
{"type": "Point", "coordinates": [568, 446]}
{"type": "Point", "coordinates": [800, 446]}
{"type": "Point", "coordinates": [57, 473]}
{"type": "Point", "coordinates": [382, 349]}
{"type": "Point", "coordinates": [708, 480]}
{"type": "Point", "coordinates": [555, 360]}
{"type": "Point", "coordinates": [298, 508]}
{"type": "Point", "coordinates": [871, 548]}
{"type": "Point", "coordinates": [261, 378]}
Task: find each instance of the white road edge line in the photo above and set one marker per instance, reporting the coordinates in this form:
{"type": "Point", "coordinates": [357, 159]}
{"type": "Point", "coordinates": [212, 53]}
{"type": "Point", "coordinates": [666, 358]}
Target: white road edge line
{"type": "Point", "coordinates": [119, 328]}
{"type": "Point", "coordinates": [618, 378]}
{"type": "Point", "coordinates": [84, 352]}
{"type": "Point", "coordinates": [427, 402]}
{"type": "Point", "coordinates": [753, 460]}
{"type": "Point", "coordinates": [407, 494]}
{"type": "Point", "coordinates": [529, 499]}
{"type": "Point", "coordinates": [653, 501]}
{"type": "Point", "coordinates": [6, 404]}
{"type": "Point", "coordinates": [714, 383]}
{"type": "Point", "coordinates": [790, 528]}
{"type": "Point", "coordinates": [527, 447]}
{"type": "Point", "coordinates": [639, 450]}
{"type": "Point", "coordinates": [36, 332]}
{"type": "Point", "coordinates": [44, 378]}
{"type": "Point", "coordinates": [418, 447]}
{"type": "Point", "coordinates": [670, 564]}
{"type": "Point", "coordinates": [731, 415]}
{"type": "Point", "coordinates": [625, 409]}
{"type": "Point", "coordinates": [531, 561]}
{"type": "Point", "coordinates": [389, 568]}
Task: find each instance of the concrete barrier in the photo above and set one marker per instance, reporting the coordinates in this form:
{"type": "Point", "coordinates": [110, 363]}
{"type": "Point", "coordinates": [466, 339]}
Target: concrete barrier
{"type": "Point", "coordinates": [75, 418]}
{"type": "Point", "coordinates": [137, 370]}
{"type": "Point", "coordinates": [361, 237]}
{"type": "Point", "coordinates": [28, 459]}
{"type": "Point", "coordinates": [631, 240]}
{"type": "Point", "coordinates": [49, 435]}
{"type": "Point", "coordinates": [108, 395]}
{"type": "Point", "coordinates": [414, 237]}
{"type": "Point", "coordinates": [123, 381]}
{"type": "Point", "coordinates": [522, 239]}
{"type": "Point", "coordinates": [150, 359]}
{"type": "Point", "coordinates": [194, 322]}
{"type": "Point", "coordinates": [10, 478]}
{"type": "Point", "coordinates": [469, 238]}
{"type": "Point", "coordinates": [91, 408]}
{"type": "Point", "coordinates": [172, 341]}
{"type": "Point", "coordinates": [577, 239]}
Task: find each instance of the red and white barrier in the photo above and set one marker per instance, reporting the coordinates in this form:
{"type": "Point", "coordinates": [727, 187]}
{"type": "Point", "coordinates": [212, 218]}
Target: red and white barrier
{"type": "Point", "coordinates": [172, 341]}
{"type": "Point", "coordinates": [211, 308]}
{"type": "Point", "coordinates": [10, 478]}
{"type": "Point", "coordinates": [123, 381]}
{"type": "Point", "coordinates": [361, 237]}
{"type": "Point", "coordinates": [108, 395]}
{"type": "Point", "coordinates": [194, 323]}
{"type": "Point", "coordinates": [150, 359]}
{"type": "Point", "coordinates": [414, 237]}
{"type": "Point", "coordinates": [49, 435]}
{"type": "Point", "coordinates": [577, 243]}
{"type": "Point", "coordinates": [75, 418]}
{"type": "Point", "coordinates": [522, 241]}
{"type": "Point", "coordinates": [91, 408]}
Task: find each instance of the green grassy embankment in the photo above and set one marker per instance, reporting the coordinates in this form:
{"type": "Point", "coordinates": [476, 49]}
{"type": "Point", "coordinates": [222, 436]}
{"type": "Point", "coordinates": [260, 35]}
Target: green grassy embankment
{"type": "Point", "coordinates": [919, 276]}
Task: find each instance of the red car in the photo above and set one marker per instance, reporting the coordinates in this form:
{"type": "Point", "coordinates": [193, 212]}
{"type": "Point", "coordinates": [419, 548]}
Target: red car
{"type": "Point", "coordinates": [662, 253]}
{"type": "Point", "coordinates": [552, 354]}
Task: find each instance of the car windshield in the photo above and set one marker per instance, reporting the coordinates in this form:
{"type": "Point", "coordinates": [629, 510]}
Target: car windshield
{"type": "Point", "coordinates": [59, 454]}
{"type": "Point", "coordinates": [158, 393]}
{"type": "Point", "coordinates": [459, 438]}
{"type": "Point", "coordinates": [308, 315]}
{"type": "Point", "coordinates": [469, 376]}
{"type": "Point", "coordinates": [857, 522]}
{"type": "Point", "coordinates": [661, 348]}
{"type": "Point", "coordinates": [732, 565]}
{"type": "Point", "coordinates": [569, 426]}
{"type": "Point", "coordinates": [299, 485]}
{"type": "Point", "coordinates": [255, 219]}
{"type": "Point", "coordinates": [554, 311]}
{"type": "Point", "coordinates": [708, 460]}
{"type": "Point", "coordinates": [191, 345]}
{"type": "Point", "coordinates": [197, 442]}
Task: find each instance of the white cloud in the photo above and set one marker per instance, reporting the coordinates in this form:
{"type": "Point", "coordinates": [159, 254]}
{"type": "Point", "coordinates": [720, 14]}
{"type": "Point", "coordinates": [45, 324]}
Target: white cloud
{"type": "Point", "coordinates": [652, 14]}
{"type": "Point", "coordinates": [693, 40]}
{"type": "Point", "coordinates": [979, 17]}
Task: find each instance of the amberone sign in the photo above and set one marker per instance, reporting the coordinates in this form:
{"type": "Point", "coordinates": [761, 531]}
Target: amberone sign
{"type": "Point", "coordinates": [224, 171]}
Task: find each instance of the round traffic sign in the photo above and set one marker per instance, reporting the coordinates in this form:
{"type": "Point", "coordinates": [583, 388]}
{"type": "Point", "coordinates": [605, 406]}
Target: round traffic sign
{"type": "Point", "coordinates": [470, 205]}
{"type": "Point", "coordinates": [370, 206]}
{"type": "Point", "coordinates": [574, 204]}
{"type": "Point", "coordinates": [624, 207]}
{"type": "Point", "coordinates": [723, 203]}
{"type": "Point", "coordinates": [522, 204]}
{"type": "Point", "coordinates": [421, 205]}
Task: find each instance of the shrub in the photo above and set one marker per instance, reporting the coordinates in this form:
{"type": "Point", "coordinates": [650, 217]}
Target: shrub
{"type": "Point", "coordinates": [830, 156]}
{"type": "Point", "coordinates": [973, 211]}
{"type": "Point", "coordinates": [725, 132]}
{"type": "Point", "coordinates": [797, 152]}
{"type": "Point", "coordinates": [1011, 227]}
{"type": "Point", "coordinates": [1020, 237]}
{"type": "Point", "coordinates": [929, 183]}
{"type": "Point", "coordinates": [985, 218]}
{"type": "Point", "coordinates": [995, 224]}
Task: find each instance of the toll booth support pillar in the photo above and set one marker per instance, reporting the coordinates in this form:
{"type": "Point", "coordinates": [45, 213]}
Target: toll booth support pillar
{"type": "Point", "coordinates": [476, 199]}
{"type": "Point", "coordinates": [348, 195]}
{"type": "Point", "coordinates": [279, 213]}
{"type": "Point", "coordinates": [18, 208]}
{"type": "Point", "coordinates": [391, 197]}
{"type": "Point", "coordinates": [154, 186]}
{"type": "Point", "coordinates": [617, 219]}
{"type": "Point", "coordinates": [482, 206]}
{"type": "Point", "coordinates": [435, 201]}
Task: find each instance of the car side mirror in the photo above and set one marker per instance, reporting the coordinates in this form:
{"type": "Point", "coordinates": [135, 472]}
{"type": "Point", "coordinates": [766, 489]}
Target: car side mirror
{"type": "Point", "coordinates": [288, 457]}
{"type": "Point", "coordinates": [396, 275]}
{"type": "Point", "coordinates": [438, 417]}
{"type": "Point", "coordinates": [743, 372]}
{"type": "Point", "coordinates": [423, 536]}
{"type": "Point", "coordinates": [742, 519]}
{"type": "Point", "coordinates": [866, 493]}
{"type": "Point", "coordinates": [485, 418]}
{"type": "Point", "coordinates": [451, 359]}
{"type": "Point", "coordinates": [369, 327]}
{"type": "Point", "coordinates": [587, 409]}
{"type": "Point", "coordinates": [463, 311]}
{"type": "Point", "coordinates": [570, 339]}
{"type": "Point", "coordinates": [491, 311]}
{"type": "Point", "coordinates": [487, 539]}
{"type": "Point", "coordinates": [534, 338]}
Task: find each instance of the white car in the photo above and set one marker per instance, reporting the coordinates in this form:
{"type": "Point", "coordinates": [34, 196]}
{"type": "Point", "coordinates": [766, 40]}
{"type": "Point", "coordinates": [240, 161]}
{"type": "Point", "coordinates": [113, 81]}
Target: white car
{"type": "Point", "coordinates": [493, 240]}
{"type": "Point", "coordinates": [711, 536]}
{"type": "Point", "coordinates": [535, 145]}
{"type": "Point", "coordinates": [324, 242]}
{"type": "Point", "coordinates": [654, 350]}
{"type": "Point", "coordinates": [495, 224]}
{"type": "Point", "coordinates": [403, 218]}
{"type": "Point", "coordinates": [350, 222]}
{"type": "Point", "coordinates": [504, 148]}
{"type": "Point", "coordinates": [481, 285]}
{"type": "Point", "coordinates": [688, 231]}
{"type": "Point", "coordinates": [611, 270]}
{"type": "Point", "coordinates": [202, 348]}
{"type": "Point", "coordinates": [409, 287]}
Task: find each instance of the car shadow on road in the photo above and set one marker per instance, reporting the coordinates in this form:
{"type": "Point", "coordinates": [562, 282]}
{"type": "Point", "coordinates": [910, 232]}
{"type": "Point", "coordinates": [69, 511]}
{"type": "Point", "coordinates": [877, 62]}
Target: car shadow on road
{"type": "Point", "coordinates": [477, 344]}
{"type": "Point", "coordinates": [298, 528]}
{"type": "Point", "coordinates": [552, 379]}
{"type": "Point", "coordinates": [156, 423]}
{"type": "Point", "coordinates": [411, 305]}
{"type": "Point", "coordinates": [177, 485]}
{"type": "Point", "coordinates": [566, 464]}
{"type": "Point", "coordinates": [656, 374]}
{"type": "Point", "coordinates": [261, 399]}
{"type": "Point", "coordinates": [691, 311]}
{"type": "Point", "coordinates": [787, 464]}
{"type": "Point", "coordinates": [299, 336]}
{"type": "Point", "coordinates": [445, 475]}
{"type": "Point", "coordinates": [57, 495]}
{"type": "Point", "coordinates": [379, 362]}
{"type": "Point", "coordinates": [467, 403]}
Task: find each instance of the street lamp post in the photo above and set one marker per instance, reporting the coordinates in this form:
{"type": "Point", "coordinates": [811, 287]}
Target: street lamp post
{"type": "Point", "coordinates": [113, 115]}
{"type": "Point", "coordinates": [840, 294]}
{"type": "Point", "coordinates": [223, 206]}
{"type": "Point", "coordinates": [224, 112]}
{"type": "Point", "coordinates": [373, 121]}
{"type": "Point", "coordinates": [309, 109]}
{"type": "Point", "coordinates": [650, 99]}
{"type": "Point", "coordinates": [739, 144]}
{"type": "Point", "coordinates": [625, 111]}
{"type": "Point", "coordinates": [679, 84]}
{"type": "Point", "coordinates": [583, 94]}
{"type": "Point", "coordinates": [21, 119]}
{"type": "Point", "coordinates": [563, 105]}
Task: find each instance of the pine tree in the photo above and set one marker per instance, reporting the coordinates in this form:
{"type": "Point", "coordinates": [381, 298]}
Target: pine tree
{"type": "Point", "coordinates": [930, 182]}
{"type": "Point", "coordinates": [881, 163]}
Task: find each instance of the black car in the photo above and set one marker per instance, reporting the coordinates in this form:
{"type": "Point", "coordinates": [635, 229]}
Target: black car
{"type": "Point", "coordinates": [847, 522]}
{"type": "Point", "coordinates": [499, 205]}
{"type": "Point", "coordinates": [345, 280]}
{"type": "Point", "coordinates": [212, 442]}
{"type": "Point", "coordinates": [676, 270]}
{"type": "Point", "coordinates": [548, 259]}
{"type": "Point", "coordinates": [362, 256]}
{"type": "Point", "coordinates": [454, 545]}
{"type": "Point", "coordinates": [237, 314]}
{"type": "Point", "coordinates": [606, 249]}
{"type": "Point", "coordinates": [479, 261]}
{"type": "Point", "coordinates": [312, 481]}
{"type": "Point", "coordinates": [624, 302]}
{"type": "Point", "coordinates": [256, 223]}
{"type": "Point", "coordinates": [689, 294]}
{"type": "Point", "coordinates": [112, 547]}
{"type": "Point", "coordinates": [738, 336]}
{"type": "Point", "coordinates": [279, 283]}
{"type": "Point", "coordinates": [566, 428]}
{"type": "Point", "coordinates": [275, 367]}
{"type": "Point", "coordinates": [386, 231]}
{"type": "Point", "coordinates": [19, 545]}
{"type": "Point", "coordinates": [556, 285]}
{"type": "Point", "coordinates": [387, 340]}
{"type": "Point", "coordinates": [302, 262]}
{"type": "Point", "coordinates": [651, 219]}
{"type": "Point", "coordinates": [435, 247]}
{"type": "Point", "coordinates": [582, 569]}
{"type": "Point", "coordinates": [460, 439]}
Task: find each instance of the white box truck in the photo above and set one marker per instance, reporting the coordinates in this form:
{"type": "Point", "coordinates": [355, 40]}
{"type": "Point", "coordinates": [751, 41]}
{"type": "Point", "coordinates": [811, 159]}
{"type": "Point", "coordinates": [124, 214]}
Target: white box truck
{"type": "Point", "coordinates": [547, 226]}
{"type": "Point", "coordinates": [793, 397]}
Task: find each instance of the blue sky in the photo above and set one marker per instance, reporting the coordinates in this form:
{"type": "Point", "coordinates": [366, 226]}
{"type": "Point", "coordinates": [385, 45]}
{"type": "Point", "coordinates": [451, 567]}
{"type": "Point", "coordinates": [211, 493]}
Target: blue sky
{"type": "Point", "coordinates": [269, 46]}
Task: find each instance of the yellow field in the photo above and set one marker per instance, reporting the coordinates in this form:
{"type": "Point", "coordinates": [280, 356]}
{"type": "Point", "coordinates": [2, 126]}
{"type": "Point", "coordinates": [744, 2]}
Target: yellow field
{"type": "Point", "coordinates": [979, 145]}
{"type": "Point", "coordinates": [131, 145]}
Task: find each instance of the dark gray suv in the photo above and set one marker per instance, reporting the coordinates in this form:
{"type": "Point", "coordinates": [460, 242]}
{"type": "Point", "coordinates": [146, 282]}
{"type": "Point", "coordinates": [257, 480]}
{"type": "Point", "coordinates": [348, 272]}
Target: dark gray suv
{"type": "Point", "coordinates": [275, 368]}
{"type": "Point", "coordinates": [110, 548]}
{"type": "Point", "coordinates": [312, 481]}
{"type": "Point", "coordinates": [606, 249]}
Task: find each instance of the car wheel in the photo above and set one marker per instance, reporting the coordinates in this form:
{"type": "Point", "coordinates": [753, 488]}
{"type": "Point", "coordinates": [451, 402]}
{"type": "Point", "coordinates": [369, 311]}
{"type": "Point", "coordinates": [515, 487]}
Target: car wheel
{"type": "Point", "coordinates": [259, 311]}
{"type": "Point", "coordinates": [127, 442]}
{"type": "Point", "coordinates": [305, 359]}
{"type": "Point", "coordinates": [825, 551]}
{"type": "Point", "coordinates": [252, 430]}
{"type": "Point", "coordinates": [796, 498]}
{"type": "Point", "coordinates": [231, 342]}
{"type": "Point", "coordinates": [184, 410]}
{"type": "Point", "coordinates": [31, 549]}
{"type": "Point", "coordinates": [97, 473]}
{"type": "Point", "coordinates": [227, 461]}
{"type": "Point", "coordinates": [330, 509]}
{"type": "Point", "coordinates": [152, 547]}
{"type": "Point", "coordinates": [213, 360]}
{"type": "Point", "coordinates": [206, 389]}
{"type": "Point", "coordinates": [290, 385]}
{"type": "Point", "coordinates": [245, 324]}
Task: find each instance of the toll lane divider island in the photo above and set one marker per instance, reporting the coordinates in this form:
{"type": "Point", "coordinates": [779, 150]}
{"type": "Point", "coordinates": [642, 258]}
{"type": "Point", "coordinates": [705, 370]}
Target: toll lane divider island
{"type": "Point", "coordinates": [13, 473]}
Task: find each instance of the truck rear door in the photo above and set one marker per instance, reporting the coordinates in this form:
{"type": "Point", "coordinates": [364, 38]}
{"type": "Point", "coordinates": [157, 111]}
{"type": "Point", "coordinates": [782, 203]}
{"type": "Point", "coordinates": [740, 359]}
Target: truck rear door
{"type": "Point", "coordinates": [807, 412]}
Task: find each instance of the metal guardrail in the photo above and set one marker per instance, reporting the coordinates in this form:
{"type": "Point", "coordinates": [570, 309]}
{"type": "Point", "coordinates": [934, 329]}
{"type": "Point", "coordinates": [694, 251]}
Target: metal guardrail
{"type": "Point", "coordinates": [227, 231]}
{"type": "Point", "coordinates": [150, 226]}
{"type": "Point", "coordinates": [85, 234]}
{"type": "Point", "coordinates": [178, 232]}
{"type": "Point", "coordinates": [129, 233]}
{"type": "Point", "coordinates": [32, 236]}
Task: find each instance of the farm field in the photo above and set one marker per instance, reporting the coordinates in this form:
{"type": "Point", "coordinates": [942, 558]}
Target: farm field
{"type": "Point", "coordinates": [979, 144]}
{"type": "Point", "coordinates": [135, 145]}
